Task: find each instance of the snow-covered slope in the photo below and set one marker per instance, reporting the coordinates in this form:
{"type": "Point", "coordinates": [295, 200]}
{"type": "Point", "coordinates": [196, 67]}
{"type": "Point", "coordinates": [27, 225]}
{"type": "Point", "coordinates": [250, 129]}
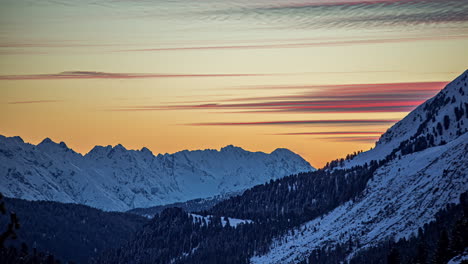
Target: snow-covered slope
{"type": "Point", "coordinates": [114, 178]}
{"type": "Point", "coordinates": [404, 193]}
{"type": "Point", "coordinates": [459, 259]}
{"type": "Point", "coordinates": [403, 196]}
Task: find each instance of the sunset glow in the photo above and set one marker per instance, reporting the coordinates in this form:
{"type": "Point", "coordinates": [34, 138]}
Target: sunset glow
{"type": "Point", "coordinates": [321, 78]}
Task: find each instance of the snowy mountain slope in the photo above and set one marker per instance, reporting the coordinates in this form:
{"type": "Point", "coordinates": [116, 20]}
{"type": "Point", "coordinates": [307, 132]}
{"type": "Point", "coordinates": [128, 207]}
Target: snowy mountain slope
{"type": "Point", "coordinates": [403, 195]}
{"type": "Point", "coordinates": [459, 259]}
{"type": "Point", "coordinates": [114, 178]}
{"type": "Point", "coordinates": [426, 157]}
{"type": "Point", "coordinates": [430, 117]}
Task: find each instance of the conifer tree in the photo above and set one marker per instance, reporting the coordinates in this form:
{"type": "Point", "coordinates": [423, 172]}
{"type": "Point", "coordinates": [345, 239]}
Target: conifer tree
{"type": "Point", "coordinates": [442, 252]}
{"type": "Point", "coordinates": [12, 226]}
{"type": "Point", "coordinates": [394, 256]}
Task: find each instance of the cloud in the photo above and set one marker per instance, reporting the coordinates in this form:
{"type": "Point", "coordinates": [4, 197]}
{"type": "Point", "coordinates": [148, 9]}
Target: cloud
{"type": "Point", "coordinates": [106, 75]}
{"type": "Point", "coordinates": [362, 122]}
{"type": "Point", "coordinates": [353, 98]}
{"type": "Point", "coordinates": [352, 139]}
{"type": "Point", "coordinates": [35, 102]}
{"type": "Point", "coordinates": [331, 133]}
{"type": "Point", "coordinates": [297, 106]}
{"type": "Point", "coordinates": [302, 44]}
{"type": "Point", "coordinates": [344, 13]}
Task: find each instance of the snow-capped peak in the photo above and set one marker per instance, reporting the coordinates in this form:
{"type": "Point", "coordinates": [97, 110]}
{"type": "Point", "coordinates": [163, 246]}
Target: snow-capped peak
{"type": "Point", "coordinates": [231, 148]}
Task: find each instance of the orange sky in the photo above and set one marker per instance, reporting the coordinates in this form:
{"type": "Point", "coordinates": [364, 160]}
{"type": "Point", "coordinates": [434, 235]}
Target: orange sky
{"type": "Point", "coordinates": [303, 75]}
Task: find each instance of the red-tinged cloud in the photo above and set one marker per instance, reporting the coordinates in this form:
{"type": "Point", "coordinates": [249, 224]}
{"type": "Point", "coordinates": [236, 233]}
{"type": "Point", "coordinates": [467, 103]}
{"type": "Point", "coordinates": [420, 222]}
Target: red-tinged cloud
{"type": "Point", "coordinates": [380, 87]}
{"type": "Point", "coordinates": [352, 139]}
{"type": "Point", "coordinates": [107, 75]}
{"type": "Point", "coordinates": [35, 102]}
{"type": "Point", "coordinates": [331, 133]}
{"type": "Point", "coordinates": [363, 122]}
{"type": "Point", "coordinates": [355, 98]}
{"type": "Point", "coordinates": [334, 106]}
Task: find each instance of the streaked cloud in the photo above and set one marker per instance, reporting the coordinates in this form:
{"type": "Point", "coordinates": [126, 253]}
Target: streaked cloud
{"type": "Point", "coordinates": [352, 98]}
{"type": "Point", "coordinates": [352, 139]}
{"type": "Point", "coordinates": [35, 102]}
{"type": "Point", "coordinates": [108, 75]}
{"type": "Point", "coordinates": [345, 13]}
{"type": "Point", "coordinates": [302, 44]}
{"type": "Point", "coordinates": [400, 86]}
{"type": "Point", "coordinates": [331, 133]}
{"type": "Point", "coordinates": [361, 122]}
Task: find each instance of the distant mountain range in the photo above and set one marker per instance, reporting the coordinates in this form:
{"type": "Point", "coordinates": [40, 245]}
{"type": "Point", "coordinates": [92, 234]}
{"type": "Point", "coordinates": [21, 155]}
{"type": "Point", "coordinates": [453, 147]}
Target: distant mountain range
{"type": "Point", "coordinates": [117, 179]}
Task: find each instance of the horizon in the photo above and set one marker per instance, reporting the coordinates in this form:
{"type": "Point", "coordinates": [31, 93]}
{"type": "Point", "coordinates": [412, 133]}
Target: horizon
{"type": "Point", "coordinates": [320, 78]}
{"type": "Point", "coordinates": [140, 149]}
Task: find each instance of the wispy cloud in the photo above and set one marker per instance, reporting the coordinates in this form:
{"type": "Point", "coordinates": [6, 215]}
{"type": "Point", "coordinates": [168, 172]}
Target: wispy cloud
{"type": "Point", "coordinates": [331, 133]}
{"type": "Point", "coordinates": [108, 75]}
{"type": "Point", "coordinates": [35, 102]}
{"type": "Point", "coordinates": [352, 139]}
{"type": "Point", "coordinates": [296, 106]}
{"type": "Point", "coordinates": [353, 98]}
{"type": "Point", "coordinates": [340, 136]}
{"type": "Point", "coordinates": [345, 13]}
{"type": "Point", "coordinates": [403, 86]}
{"type": "Point", "coordinates": [301, 44]}
{"type": "Point", "coordinates": [362, 122]}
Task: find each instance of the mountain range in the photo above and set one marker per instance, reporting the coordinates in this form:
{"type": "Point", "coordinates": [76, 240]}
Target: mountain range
{"type": "Point", "coordinates": [117, 179]}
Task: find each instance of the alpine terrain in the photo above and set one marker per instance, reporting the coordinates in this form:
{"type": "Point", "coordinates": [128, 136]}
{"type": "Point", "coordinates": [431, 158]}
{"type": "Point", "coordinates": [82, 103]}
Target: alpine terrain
{"type": "Point", "coordinates": [117, 179]}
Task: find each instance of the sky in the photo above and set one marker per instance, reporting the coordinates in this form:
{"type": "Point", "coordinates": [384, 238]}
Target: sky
{"type": "Point", "coordinates": [322, 78]}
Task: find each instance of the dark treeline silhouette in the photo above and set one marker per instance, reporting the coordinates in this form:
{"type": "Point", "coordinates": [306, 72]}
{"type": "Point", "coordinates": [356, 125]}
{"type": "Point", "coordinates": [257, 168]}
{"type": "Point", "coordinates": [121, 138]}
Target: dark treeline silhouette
{"type": "Point", "coordinates": [297, 198]}
{"type": "Point", "coordinates": [173, 234]}
{"type": "Point", "coordinates": [10, 254]}
{"type": "Point", "coordinates": [70, 232]}
{"type": "Point", "coordinates": [194, 205]}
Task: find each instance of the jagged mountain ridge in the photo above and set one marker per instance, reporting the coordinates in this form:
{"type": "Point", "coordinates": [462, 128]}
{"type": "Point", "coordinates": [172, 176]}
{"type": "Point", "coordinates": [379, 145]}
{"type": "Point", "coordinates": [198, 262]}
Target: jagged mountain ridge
{"type": "Point", "coordinates": [426, 157]}
{"type": "Point", "coordinates": [114, 178]}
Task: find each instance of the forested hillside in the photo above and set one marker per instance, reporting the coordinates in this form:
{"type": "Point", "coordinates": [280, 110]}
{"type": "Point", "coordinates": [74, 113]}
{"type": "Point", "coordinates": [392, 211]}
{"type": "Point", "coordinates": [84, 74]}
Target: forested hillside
{"type": "Point", "coordinates": [70, 232]}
